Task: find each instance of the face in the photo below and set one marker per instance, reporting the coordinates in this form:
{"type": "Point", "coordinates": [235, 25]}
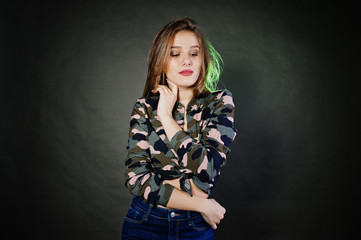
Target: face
{"type": "Point", "coordinates": [184, 62]}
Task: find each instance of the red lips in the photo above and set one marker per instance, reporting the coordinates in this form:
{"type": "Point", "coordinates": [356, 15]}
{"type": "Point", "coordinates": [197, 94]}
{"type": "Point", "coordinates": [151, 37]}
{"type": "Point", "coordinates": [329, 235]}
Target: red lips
{"type": "Point", "coordinates": [186, 72]}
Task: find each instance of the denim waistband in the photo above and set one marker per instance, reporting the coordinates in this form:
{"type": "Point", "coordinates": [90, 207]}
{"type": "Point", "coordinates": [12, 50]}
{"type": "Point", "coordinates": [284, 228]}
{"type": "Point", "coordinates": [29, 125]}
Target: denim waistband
{"type": "Point", "coordinates": [163, 213]}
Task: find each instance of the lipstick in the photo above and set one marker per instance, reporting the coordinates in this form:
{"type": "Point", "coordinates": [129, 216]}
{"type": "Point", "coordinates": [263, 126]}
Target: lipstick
{"type": "Point", "coordinates": [186, 72]}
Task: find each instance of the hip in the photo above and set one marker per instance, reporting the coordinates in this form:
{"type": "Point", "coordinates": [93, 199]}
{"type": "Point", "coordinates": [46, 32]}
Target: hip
{"type": "Point", "coordinates": [144, 222]}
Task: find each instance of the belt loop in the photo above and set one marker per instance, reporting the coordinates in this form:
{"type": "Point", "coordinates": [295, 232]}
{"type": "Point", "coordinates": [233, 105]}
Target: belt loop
{"type": "Point", "coordinates": [150, 206]}
{"type": "Point", "coordinates": [189, 218]}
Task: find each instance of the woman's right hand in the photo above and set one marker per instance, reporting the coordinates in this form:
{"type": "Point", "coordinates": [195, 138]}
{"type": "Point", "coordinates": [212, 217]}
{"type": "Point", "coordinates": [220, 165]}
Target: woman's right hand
{"type": "Point", "coordinates": [167, 98]}
{"type": "Point", "coordinates": [212, 212]}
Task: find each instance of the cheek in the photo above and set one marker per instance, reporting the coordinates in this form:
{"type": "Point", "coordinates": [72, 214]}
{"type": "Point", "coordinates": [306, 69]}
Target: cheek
{"type": "Point", "coordinates": [172, 66]}
{"type": "Point", "coordinates": [169, 68]}
{"type": "Point", "coordinates": [198, 65]}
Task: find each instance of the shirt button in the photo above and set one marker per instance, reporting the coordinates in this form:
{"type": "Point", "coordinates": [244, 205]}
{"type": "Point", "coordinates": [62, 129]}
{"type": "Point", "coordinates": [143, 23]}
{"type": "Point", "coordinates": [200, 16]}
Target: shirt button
{"type": "Point", "coordinates": [172, 214]}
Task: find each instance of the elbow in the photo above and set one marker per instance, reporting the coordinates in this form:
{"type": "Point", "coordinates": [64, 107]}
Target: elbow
{"type": "Point", "coordinates": [133, 188]}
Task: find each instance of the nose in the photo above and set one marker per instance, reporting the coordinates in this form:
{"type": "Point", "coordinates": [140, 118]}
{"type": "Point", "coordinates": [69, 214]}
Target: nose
{"type": "Point", "coordinates": [186, 61]}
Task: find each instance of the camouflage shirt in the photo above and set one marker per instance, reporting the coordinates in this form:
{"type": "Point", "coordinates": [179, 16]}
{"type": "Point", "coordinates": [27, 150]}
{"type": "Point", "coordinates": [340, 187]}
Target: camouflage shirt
{"type": "Point", "coordinates": [196, 154]}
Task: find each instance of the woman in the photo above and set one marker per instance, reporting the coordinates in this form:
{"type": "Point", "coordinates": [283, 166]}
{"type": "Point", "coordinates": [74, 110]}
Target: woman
{"type": "Point", "coordinates": [179, 136]}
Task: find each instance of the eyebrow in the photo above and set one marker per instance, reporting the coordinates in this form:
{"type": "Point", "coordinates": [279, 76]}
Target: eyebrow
{"type": "Point", "coordinates": [194, 46]}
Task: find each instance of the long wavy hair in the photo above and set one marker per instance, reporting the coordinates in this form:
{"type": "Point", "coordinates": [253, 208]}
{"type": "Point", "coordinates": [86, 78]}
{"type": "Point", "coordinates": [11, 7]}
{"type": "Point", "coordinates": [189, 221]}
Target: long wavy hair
{"type": "Point", "coordinates": [159, 53]}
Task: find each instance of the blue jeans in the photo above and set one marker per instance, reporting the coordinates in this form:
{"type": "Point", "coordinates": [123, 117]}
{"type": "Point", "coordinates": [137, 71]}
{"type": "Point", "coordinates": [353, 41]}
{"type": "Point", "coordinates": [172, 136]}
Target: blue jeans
{"type": "Point", "coordinates": [143, 222]}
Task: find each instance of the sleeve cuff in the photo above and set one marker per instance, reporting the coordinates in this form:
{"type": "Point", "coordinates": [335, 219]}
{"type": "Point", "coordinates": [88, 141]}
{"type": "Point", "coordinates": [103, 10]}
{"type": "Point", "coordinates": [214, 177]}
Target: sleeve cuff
{"type": "Point", "coordinates": [204, 186]}
{"type": "Point", "coordinates": [165, 192]}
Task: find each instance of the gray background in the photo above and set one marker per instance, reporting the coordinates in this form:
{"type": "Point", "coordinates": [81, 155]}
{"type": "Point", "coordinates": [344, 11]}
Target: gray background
{"type": "Point", "coordinates": [72, 71]}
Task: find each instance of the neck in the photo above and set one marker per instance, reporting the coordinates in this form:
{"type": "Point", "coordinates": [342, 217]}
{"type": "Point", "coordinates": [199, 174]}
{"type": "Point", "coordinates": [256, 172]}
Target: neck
{"type": "Point", "coordinates": [185, 96]}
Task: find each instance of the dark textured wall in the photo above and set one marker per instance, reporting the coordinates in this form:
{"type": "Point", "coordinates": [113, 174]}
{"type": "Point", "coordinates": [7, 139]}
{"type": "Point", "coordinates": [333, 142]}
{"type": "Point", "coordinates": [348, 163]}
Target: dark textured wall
{"type": "Point", "coordinates": [72, 71]}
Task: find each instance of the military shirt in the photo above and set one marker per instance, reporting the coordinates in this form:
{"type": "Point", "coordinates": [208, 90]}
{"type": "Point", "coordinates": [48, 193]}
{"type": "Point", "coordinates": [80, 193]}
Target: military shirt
{"type": "Point", "coordinates": [197, 154]}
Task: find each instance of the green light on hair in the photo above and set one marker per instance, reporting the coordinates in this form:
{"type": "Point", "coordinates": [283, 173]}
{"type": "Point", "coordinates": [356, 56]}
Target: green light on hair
{"type": "Point", "coordinates": [214, 70]}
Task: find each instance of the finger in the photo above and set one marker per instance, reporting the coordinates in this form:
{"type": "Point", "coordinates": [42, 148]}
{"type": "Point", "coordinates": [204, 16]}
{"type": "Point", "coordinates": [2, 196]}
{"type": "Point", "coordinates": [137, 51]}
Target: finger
{"type": "Point", "coordinates": [161, 87]}
{"type": "Point", "coordinates": [161, 91]}
{"type": "Point", "coordinates": [165, 90]}
{"type": "Point", "coordinates": [214, 226]}
{"type": "Point", "coordinates": [156, 89]}
{"type": "Point", "coordinates": [173, 87]}
{"type": "Point", "coordinates": [168, 92]}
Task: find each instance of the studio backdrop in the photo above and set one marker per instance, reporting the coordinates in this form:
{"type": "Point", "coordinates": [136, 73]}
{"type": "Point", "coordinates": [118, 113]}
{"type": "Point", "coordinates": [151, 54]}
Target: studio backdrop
{"type": "Point", "coordinates": [72, 71]}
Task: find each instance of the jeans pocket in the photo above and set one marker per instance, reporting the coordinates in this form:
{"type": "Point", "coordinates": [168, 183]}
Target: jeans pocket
{"type": "Point", "coordinates": [199, 224]}
{"type": "Point", "coordinates": [135, 215]}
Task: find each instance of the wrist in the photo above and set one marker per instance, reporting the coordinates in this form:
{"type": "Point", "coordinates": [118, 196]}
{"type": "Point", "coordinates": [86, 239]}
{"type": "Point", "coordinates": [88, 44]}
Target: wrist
{"type": "Point", "coordinates": [201, 204]}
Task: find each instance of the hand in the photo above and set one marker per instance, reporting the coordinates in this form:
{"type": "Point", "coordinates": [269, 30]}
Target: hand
{"type": "Point", "coordinates": [213, 212]}
{"type": "Point", "coordinates": [167, 99]}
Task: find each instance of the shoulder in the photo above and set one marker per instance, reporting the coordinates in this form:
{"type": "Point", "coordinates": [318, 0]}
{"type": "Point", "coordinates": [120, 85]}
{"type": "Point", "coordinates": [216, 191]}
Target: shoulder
{"type": "Point", "coordinates": [222, 97]}
{"type": "Point", "coordinates": [149, 103]}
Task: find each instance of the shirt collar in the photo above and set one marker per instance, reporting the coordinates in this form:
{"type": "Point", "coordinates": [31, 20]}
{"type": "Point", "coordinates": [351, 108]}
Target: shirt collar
{"type": "Point", "coordinates": [190, 104]}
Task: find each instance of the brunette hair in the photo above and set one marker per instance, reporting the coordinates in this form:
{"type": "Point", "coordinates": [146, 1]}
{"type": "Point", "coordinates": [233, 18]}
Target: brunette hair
{"type": "Point", "coordinates": [159, 54]}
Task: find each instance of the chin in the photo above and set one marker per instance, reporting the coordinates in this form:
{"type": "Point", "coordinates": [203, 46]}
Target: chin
{"type": "Point", "coordinates": [184, 82]}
